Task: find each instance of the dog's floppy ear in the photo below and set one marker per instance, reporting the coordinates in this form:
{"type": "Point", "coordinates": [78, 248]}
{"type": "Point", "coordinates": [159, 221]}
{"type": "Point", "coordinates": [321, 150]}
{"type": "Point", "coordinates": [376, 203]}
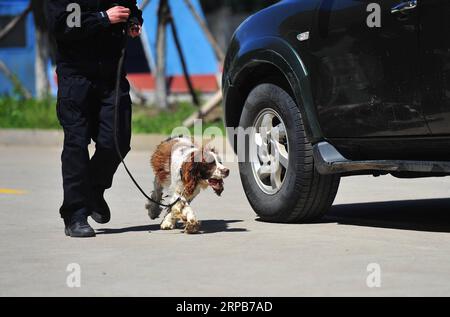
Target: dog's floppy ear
{"type": "Point", "coordinates": [191, 173]}
{"type": "Point", "coordinates": [196, 162]}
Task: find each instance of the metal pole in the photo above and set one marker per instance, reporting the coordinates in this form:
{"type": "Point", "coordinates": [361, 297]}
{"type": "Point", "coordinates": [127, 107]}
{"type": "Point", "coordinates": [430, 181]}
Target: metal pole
{"type": "Point", "coordinates": [144, 4]}
{"type": "Point", "coordinates": [14, 22]}
{"type": "Point", "coordinates": [219, 52]}
{"type": "Point", "coordinates": [182, 59]}
{"type": "Point", "coordinates": [161, 85]}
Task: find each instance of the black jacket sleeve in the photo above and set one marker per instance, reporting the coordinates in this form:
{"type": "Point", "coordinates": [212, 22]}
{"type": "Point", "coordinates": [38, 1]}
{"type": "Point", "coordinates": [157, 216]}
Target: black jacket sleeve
{"type": "Point", "coordinates": [91, 22]}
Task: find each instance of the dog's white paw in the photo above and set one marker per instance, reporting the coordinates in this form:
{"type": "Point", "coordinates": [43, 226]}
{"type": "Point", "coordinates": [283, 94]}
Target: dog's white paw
{"type": "Point", "coordinates": [167, 225]}
{"type": "Point", "coordinates": [192, 227]}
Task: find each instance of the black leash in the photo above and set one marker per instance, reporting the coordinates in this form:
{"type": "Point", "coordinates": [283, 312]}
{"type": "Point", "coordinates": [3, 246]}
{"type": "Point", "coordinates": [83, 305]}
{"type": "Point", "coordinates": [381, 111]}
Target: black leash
{"type": "Point", "coordinates": [116, 124]}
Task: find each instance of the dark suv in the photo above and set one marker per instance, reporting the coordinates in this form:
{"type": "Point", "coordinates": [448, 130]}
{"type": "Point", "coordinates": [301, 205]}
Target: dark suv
{"type": "Point", "coordinates": [338, 88]}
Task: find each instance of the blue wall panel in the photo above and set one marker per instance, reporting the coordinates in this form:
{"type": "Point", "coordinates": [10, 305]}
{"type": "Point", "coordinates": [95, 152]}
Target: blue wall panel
{"type": "Point", "coordinates": [20, 60]}
{"type": "Point", "coordinates": [197, 50]}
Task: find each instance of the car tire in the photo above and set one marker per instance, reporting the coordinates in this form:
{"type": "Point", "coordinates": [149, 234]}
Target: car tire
{"type": "Point", "coordinates": [303, 194]}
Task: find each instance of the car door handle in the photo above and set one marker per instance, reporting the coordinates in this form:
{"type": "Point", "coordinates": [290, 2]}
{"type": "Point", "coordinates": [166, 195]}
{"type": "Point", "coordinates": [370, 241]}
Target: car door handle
{"type": "Point", "coordinates": [404, 7]}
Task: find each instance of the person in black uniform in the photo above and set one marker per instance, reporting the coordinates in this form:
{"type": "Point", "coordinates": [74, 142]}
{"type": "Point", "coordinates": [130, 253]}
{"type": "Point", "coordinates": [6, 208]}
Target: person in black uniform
{"type": "Point", "coordinates": [87, 61]}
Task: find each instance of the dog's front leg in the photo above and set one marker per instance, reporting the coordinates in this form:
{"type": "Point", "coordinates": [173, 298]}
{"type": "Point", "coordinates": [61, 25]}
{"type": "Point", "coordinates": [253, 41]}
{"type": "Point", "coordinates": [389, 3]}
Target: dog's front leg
{"type": "Point", "coordinates": [170, 222]}
{"type": "Point", "coordinates": [192, 224]}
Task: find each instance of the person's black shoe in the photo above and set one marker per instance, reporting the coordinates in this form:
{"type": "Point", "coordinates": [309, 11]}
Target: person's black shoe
{"type": "Point", "coordinates": [100, 211]}
{"type": "Point", "coordinates": [77, 225]}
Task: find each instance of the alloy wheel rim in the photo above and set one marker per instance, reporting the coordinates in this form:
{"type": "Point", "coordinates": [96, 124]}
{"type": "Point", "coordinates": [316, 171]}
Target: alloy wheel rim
{"type": "Point", "coordinates": [269, 153]}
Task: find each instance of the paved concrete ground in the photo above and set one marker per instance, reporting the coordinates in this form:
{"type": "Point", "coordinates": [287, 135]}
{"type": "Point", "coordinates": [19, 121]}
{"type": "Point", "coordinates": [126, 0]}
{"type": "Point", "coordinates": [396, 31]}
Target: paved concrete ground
{"type": "Point", "coordinates": [403, 225]}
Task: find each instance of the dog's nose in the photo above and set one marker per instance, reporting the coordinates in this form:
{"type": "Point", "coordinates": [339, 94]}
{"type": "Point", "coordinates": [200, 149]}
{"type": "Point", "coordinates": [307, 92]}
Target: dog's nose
{"type": "Point", "coordinates": [226, 172]}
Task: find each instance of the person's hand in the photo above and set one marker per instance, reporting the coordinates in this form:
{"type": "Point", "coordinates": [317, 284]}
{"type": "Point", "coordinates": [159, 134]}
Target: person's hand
{"type": "Point", "coordinates": [134, 30]}
{"type": "Point", "coordinates": [118, 14]}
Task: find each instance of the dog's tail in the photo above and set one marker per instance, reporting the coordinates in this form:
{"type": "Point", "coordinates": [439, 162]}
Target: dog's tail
{"type": "Point", "coordinates": [154, 210]}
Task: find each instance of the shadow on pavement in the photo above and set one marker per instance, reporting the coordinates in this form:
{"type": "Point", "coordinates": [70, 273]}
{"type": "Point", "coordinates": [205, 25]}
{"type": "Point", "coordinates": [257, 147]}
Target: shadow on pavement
{"type": "Point", "coordinates": [208, 227]}
{"type": "Point", "coordinates": [431, 215]}
{"type": "Point", "coordinates": [147, 228]}
{"type": "Point", "coordinates": [216, 226]}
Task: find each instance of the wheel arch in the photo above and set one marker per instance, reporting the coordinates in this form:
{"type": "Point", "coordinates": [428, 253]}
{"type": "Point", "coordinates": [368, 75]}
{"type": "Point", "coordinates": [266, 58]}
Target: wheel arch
{"type": "Point", "coordinates": [269, 60]}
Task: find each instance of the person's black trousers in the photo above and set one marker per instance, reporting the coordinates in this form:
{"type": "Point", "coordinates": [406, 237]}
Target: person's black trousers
{"type": "Point", "coordinates": [85, 110]}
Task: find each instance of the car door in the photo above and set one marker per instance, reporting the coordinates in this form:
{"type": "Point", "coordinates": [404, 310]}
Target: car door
{"type": "Point", "coordinates": [435, 63]}
{"type": "Point", "coordinates": [366, 71]}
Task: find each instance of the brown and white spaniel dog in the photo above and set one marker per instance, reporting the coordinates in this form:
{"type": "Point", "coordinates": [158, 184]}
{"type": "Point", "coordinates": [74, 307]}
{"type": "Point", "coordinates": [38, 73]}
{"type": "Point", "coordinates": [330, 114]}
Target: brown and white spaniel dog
{"type": "Point", "coordinates": [182, 170]}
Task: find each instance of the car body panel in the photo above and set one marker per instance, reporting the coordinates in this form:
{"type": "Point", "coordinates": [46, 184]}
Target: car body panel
{"type": "Point", "coordinates": [366, 79]}
{"type": "Point", "coordinates": [435, 63]}
{"type": "Point", "coordinates": [359, 89]}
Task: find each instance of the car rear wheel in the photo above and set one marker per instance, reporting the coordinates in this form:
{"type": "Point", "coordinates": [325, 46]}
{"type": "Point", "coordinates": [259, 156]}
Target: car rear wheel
{"type": "Point", "coordinates": [277, 172]}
